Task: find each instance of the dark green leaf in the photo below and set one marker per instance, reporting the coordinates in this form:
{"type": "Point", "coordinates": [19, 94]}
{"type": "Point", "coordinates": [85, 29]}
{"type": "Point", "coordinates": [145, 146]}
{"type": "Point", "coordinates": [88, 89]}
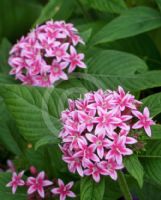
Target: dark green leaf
{"type": "Point", "coordinates": [113, 6]}
{"type": "Point", "coordinates": [49, 139]}
{"type": "Point", "coordinates": [90, 190]}
{"type": "Point", "coordinates": [151, 161]}
{"type": "Point", "coordinates": [135, 168]}
{"type": "Point", "coordinates": [4, 52]}
{"type": "Point", "coordinates": [131, 22]}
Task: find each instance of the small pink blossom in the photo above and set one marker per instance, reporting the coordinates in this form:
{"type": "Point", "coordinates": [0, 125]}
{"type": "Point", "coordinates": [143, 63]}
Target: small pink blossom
{"type": "Point", "coordinates": [75, 60]}
{"type": "Point", "coordinates": [63, 190]}
{"type": "Point", "coordinates": [144, 121]}
{"type": "Point", "coordinates": [16, 181]}
{"type": "Point", "coordinates": [38, 184]}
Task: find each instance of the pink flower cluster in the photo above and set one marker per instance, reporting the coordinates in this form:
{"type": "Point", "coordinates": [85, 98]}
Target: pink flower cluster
{"type": "Point", "coordinates": [38, 184]}
{"type": "Point", "coordinates": [98, 131]}
{"type": "Point", "coordinates": [46, 54]}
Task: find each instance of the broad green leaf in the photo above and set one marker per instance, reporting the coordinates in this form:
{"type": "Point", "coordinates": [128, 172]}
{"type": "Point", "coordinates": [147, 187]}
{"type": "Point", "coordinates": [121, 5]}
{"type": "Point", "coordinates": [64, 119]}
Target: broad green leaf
{"type": "Point", "coordinates": [141, 45]}
{"type": "Point", "coordinates": [6, 193]}
{"type": "Point", "coordinates": [56, 9]}
{"type": "Point", "coordinates": [8, 140]}
{"type": "Point", "coordinates": [153, 102]}
{"type": "Point", "coordinates": [90, 190]}
{"type": "Point", "coordinates": [49, 139]}
{"type": "Point", "coordinates": [135, 168]}
{"type": "Point", "coordinates": [4, 52]}
{"type": "Point", "coordinates": [6, 79]}
{"type": "Point", "coordinates": [113, 6]}
{"type": "Point", "coordinates": [133, 83]}
{"type": "Point", "coordinates": [111, 62]}
{"type": "Point", "coordinates": [151, 161]}
{"type": "Point", "coordinates": [112, 189]}
{"type": "Point", "coordinates": [16, 17]}
{"type": "Point", "coordinates": [35, 110]}
{"type": "Point", "coordinates": [131, 22]}
{"type": "Point", "coordinates": [158, 3]}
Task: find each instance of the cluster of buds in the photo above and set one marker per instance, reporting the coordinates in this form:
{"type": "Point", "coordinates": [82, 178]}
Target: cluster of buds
{"type": "Point", "coordinates": [46, 54]}
{"type": "Point", "coordinates": [98, 131]}
{"type": "Point", "coordinates": [39, 186]}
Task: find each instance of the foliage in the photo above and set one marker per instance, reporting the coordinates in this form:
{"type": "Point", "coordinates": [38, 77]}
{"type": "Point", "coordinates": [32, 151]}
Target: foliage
{"type": "Point", "coordinates": [122, 48]}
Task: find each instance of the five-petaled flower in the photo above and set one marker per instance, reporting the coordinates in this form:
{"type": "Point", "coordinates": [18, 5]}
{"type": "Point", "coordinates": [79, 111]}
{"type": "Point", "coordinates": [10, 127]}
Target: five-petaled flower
{"type": "Point", "coordinates": [144, 120]}
{"type": "Point", "coordinates": [63, 190]}
{"type": "Point", "coordinates": [38, 184]}
{"type": "Point", "coordinates": [16, 181]}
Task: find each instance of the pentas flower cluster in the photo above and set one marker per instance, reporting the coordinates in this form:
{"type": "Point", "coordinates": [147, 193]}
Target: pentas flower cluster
{"type": "Point", "coordinates": [46, 54]}
{"type": "Point", "coordinates": [40, 187]}
{"type": "Point", "coordinates": [98, 131]}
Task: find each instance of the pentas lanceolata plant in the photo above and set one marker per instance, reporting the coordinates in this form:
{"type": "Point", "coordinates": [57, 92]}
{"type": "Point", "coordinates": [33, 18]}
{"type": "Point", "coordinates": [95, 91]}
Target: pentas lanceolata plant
{"type": "Point", "coordinates": [46, 54]}
{"type": "Point", "coordinates": [39, 187]}
{"type": "Point", "coordinates": [99, 130]}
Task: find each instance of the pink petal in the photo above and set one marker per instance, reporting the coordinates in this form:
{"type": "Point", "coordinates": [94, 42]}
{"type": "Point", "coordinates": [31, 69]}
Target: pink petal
{"type": "Point", "coordinates": [148, 130]}
{"type": "Point", "coordinates": [130, 140]}
{"type": "Point", "coordinates": [137, 125]}
{"type": "Point", "coordinates": [9, 184]}
{"type": "Point", "coordinates": [41, 192]}
{"type": "Point", "coordinates": [14, 188]}
{"type": "Point", "coordinates": [31, 189]}
{"type": "Point", "coordinates": [96, 177]}
{"type": "Point", "coordinates": [41, 175]}
{"type": "Point", "coordinates": [146, 112]}
{"type": "Point", "coordinates": [137, 114]}
{"type": "Point", "coordinates": [60, 182]}
{"type": "Point", "coordinates": [62, 197]}
{"type": "Point", "coordinates": [46, 183]}
{"type": "Point", "coordinates": [69, 185]}
{"type": "Point", "coordinates": [100, 152]}
{"type": "Point", "coordinates": [73, 50]}
{"type": "Point", "coordinates": [71, 194]}
{"type": "Point", "coordinates": [91, 138]}
{"type": "Point", "coordinates": [55, 191]}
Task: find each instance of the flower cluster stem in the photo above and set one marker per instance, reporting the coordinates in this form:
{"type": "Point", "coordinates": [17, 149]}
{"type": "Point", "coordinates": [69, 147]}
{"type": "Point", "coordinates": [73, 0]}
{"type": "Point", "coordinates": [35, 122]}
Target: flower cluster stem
{"type": "Point", "coordinates": [123, 186]}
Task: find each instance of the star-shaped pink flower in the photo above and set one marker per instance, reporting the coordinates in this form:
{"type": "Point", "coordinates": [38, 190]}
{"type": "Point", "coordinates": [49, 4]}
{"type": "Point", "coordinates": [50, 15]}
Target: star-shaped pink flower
{"type": "Point", "coordinates": [16, 181]}
{"type": "Point", "coordinates": [38, 184]}
{"type": "Point", "coordinates": [144, 121]}
{"type": "Point", "coordinates": [63, 190]}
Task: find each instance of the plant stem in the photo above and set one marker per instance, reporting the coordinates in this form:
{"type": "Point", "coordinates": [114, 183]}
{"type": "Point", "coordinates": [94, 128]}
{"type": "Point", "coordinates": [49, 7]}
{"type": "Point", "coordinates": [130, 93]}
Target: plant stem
{"type": "Point", "coordinates": [123, 186]}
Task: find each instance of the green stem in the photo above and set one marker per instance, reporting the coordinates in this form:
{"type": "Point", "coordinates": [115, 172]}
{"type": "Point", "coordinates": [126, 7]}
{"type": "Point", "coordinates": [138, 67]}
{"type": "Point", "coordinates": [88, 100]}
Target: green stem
{"type": "Point", "coordinates": [123, 186]}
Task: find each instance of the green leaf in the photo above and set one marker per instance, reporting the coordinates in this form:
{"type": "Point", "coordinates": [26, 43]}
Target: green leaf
{"type": "Point", "coordinates": [135, 168]}
{"type": "Point", "coordinates": [57, 9]}
{"type": "Point", "coordinates": [158, 3]}
{"type": "Point", "coordinates": [35, 110]}
{"type": "Point", "coordinates": [111, 62]}
{"type": "Point", "coordinates": [131, 22]}
{"type": "Point", "coordinates": [49, 139]}
{"type": "Point", "coordinates": [133, 83]}
{"type": "Point", "coordinates": [6, 193]}
{"type": "Point", "coordinates": [153, 102]}
{"type": "Point", "coordinates": [113, 6]}
{"type": "Point", "coordinates": [16, 17]}
{"type": "Point", "coordinates": [90, 190]}
{"type": "Point", "coordinates": [151, 161]}
{"type": "Point", "coordinates": [4, 52]}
